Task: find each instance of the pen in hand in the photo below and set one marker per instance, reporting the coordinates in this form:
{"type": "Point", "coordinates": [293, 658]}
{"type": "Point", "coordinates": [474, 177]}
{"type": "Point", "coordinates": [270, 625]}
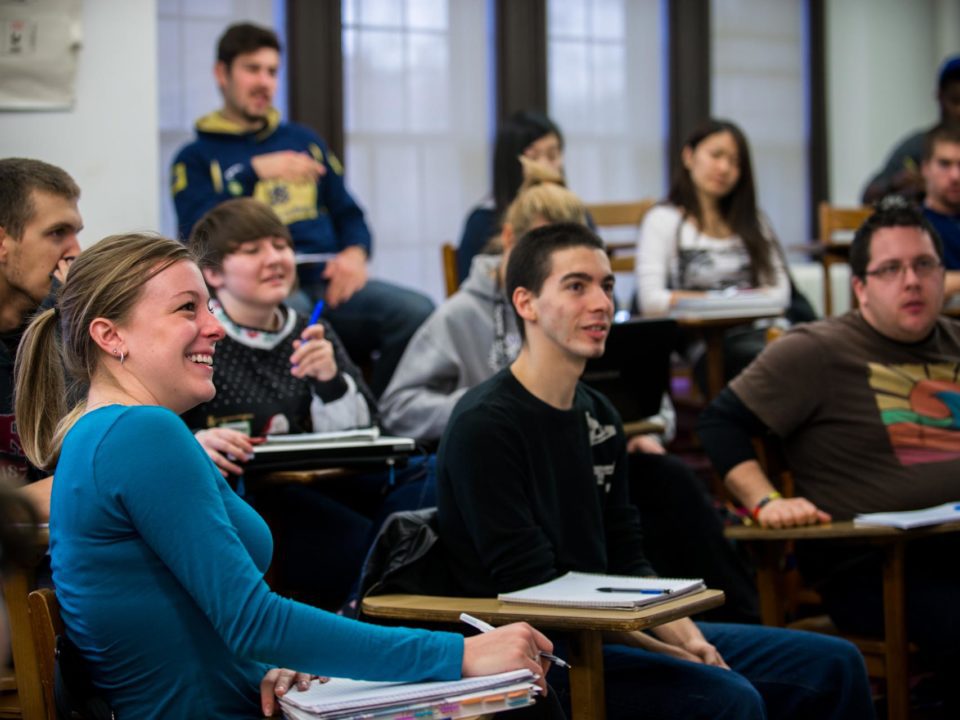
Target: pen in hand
{"type": "Point", "coordinates": [487, 627]}
{"type": "Point", "coordinates": [315, 315]}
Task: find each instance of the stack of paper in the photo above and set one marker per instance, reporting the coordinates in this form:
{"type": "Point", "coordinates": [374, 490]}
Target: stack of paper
{"type": "Point", "coordinates": [948, 512]}
{"type": "Point", "coordinates": [603, 591]}
{"type": "Point", "coordinates": [355, 434]}
{"type": "Point", "coordinates": [728, 303]}
{"type": "Point", "coordinates": [341, 699]}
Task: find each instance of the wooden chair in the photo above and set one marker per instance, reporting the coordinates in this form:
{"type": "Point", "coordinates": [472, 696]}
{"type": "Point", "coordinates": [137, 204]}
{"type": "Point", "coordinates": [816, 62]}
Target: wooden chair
{"type": "Point", "coordinates": [23, 693]}
{"type": "Point", "coordinates": [451, 280]}
{"type": "Point", "coordinates": [45, 625]}
{"type": "Point", "coordinates": [833, 220]}
{"type": "Point", "coordinates": [620, 215]}
{"type": "Point", "coordinates": [783, 594]}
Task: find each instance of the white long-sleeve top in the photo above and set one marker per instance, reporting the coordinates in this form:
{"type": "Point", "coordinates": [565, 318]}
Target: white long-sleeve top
{"type": "Point", "coordinates": [694, 261]}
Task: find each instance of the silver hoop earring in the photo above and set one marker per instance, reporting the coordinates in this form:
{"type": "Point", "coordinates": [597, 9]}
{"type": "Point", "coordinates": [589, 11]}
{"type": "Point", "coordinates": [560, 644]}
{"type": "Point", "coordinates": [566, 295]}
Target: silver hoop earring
{"type": "Point", "coordinates": [120, 354]}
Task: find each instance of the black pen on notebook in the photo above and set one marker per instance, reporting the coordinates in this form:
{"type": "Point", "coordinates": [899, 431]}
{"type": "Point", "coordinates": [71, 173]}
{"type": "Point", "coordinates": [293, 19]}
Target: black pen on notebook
{"type": "Point", "coordinates": [487, 627]}
{"type": "Point", "coordinates": [641, 591]}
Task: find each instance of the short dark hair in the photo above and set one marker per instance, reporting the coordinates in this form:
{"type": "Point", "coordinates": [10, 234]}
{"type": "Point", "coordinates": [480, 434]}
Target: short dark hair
{"type": "Point", "coordinates": [949, 72]}
{"type": "Point", "coordinates": [531, 259]}
{"type": "Point", "coordinates": [244, 38]}
{"type": "Point", "coordinates": [892, 211]}
{"type": "Point", "coordinates": [513, 137]}
{"type": "Point", "coordinates": [19, 177]}
{"type": "Point", "coordinates": [944, 132]}
{"type": "Point", "coordinates": [230, 224]}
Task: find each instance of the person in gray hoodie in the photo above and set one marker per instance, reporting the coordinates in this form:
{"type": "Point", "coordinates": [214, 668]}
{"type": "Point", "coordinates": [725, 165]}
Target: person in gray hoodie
{"type": "Point", "coordinates": [474, 333]}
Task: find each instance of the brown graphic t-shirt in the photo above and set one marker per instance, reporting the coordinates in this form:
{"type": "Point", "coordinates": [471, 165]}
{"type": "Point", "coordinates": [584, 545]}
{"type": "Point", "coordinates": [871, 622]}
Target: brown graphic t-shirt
{"type": "Point", "coordinates": [869, 424]}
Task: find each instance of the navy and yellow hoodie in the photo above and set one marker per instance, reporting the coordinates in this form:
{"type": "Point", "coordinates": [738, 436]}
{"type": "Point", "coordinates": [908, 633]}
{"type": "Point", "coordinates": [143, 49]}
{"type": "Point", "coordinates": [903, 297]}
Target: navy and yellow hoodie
{"type": "Point", "coordinates": [322, 216]}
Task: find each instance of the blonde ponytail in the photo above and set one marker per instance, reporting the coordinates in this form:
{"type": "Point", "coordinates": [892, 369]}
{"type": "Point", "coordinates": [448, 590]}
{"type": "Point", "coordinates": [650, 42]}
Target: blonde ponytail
{"type": "Point", "coordinates": [40, 396]}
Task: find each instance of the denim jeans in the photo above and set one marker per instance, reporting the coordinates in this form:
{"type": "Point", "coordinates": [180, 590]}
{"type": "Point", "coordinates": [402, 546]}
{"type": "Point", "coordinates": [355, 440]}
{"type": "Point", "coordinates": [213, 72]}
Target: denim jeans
{"type": "Point", "coordinates": [776, 673]}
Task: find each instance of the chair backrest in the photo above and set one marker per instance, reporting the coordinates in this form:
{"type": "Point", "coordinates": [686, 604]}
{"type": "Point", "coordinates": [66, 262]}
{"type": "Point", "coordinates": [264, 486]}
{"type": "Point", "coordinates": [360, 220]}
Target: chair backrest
{"type": "Point", "coordinates": [836, 228]}
{"type": "Point", "coordinates": [834, 219]}
{"type": "Point", "coordinates": [620, 215]}
{"type": "Point", "coordinates": [448, 256]}
{"type": "Point", "coordinates": [45, 624]}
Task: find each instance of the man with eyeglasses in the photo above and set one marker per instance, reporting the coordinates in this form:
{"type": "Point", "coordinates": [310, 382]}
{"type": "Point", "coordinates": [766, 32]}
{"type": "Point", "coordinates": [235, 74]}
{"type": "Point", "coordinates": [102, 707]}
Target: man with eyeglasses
{"type": "Point", "coordinates": [868, 408]}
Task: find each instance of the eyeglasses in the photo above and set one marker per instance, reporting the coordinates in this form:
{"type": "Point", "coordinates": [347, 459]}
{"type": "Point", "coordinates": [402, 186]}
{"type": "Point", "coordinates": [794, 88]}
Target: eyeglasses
{"type": "Point", "coordinates": [923, 267]}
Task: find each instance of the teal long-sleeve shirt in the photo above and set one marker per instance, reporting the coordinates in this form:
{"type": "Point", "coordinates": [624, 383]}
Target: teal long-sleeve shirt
{"type": "Point", "coordinates": [159, 568]}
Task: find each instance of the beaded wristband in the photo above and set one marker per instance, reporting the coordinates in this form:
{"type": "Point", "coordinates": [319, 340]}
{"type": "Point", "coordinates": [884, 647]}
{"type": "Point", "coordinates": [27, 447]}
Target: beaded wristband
{"type": "Point", "coordinates": [763, 503]}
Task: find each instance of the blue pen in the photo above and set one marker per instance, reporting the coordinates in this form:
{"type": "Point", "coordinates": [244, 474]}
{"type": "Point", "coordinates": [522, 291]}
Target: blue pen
{"type": "Point", "coordinates": [315, 315]}
{"type": "Point", "coordinates": [633, 590]}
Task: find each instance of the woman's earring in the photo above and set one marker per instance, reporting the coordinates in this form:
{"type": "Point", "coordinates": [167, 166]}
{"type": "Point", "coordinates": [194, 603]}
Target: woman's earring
{"type": "Point", "coordinates": [120, 354]}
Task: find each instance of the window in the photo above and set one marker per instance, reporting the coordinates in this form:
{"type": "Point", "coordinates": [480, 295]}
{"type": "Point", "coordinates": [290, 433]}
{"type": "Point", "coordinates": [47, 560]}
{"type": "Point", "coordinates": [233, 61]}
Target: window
{"type": "Point", "coordinates": [606, 85]}
{"type": "Point", "coordinates": [416, 127]}
{"type": "Point", "coordinates": [758, 82]}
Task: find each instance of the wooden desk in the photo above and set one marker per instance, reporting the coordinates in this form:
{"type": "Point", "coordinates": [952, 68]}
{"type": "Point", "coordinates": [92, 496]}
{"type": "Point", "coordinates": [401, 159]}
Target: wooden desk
{"type": "Point", "coordinates": [585, 625]}
{"type": "Point", "coordinates": [17, 584]}
{"type": "Point", "coordinates": [892, 541]}
{"type": "Point", "coordinates": [712, 329]}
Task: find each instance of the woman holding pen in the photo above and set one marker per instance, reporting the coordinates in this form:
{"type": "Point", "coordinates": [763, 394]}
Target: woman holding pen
{"type": "Point", "coordinates": [278, 373]}
{"type": "Point", "coordinates": [158, 565]}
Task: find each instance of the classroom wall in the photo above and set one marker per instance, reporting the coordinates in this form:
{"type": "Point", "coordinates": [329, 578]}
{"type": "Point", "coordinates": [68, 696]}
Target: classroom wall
{"type": "Point", "coordinates": [108, 142]}
{"type": "Point", "coordinates": [882, 60]}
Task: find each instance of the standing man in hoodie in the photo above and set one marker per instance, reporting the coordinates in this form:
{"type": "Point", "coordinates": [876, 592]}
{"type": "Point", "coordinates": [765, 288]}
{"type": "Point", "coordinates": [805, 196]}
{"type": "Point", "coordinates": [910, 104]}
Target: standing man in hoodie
{"type": "Point", "coordinates": [244, 149]}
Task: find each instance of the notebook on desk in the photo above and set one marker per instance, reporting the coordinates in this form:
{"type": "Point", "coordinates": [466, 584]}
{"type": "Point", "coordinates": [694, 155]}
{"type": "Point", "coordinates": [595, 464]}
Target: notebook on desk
{"type": "Point", "coordinates": [318, 450]}
{"type": "Point", "coordinates": [906, 519]}
{"type": "Point", "coordinates": [589, 590]}
{"type": "Point", "coordinates": [634, 371]}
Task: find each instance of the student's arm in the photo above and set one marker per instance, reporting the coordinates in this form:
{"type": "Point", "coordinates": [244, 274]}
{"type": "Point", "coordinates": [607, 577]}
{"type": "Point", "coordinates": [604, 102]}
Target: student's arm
{"type": "Point", "coordinates": [779, 288]}
{"type": "Point", "coordinates": [655, 251]}
{"type": "Point", "coordinates": [423, 391]}
{"type": "Point", "coordinates": [353, 393]}
{"type": "Point", "coordinates": [900, 174]}
{"type": "Point", "coordinates": [346, 214]}
{"type": "Point", "coordinates": [174, 500]}
{"type": "Point", "coordinates": [197, 187]}
{"type": "Point", "coordinates": [725, 429]}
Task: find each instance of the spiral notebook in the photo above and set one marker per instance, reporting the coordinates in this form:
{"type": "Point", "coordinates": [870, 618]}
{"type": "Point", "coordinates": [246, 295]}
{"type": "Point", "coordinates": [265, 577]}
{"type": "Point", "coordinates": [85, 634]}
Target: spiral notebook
{"type": "Point", "coordinates": [906, 519]}
{"type": "Point", "coordinates": [342, 699]}
{"type": "Point", "coordinates": [588, 590]}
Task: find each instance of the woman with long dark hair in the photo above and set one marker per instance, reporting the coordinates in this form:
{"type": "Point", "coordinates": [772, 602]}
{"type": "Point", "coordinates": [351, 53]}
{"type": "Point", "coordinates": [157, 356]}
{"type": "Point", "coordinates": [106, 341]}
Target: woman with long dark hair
{"type": "Point", "coordinates": [530, 134]}
{"type": "Point", "coordinates": [709, 234]}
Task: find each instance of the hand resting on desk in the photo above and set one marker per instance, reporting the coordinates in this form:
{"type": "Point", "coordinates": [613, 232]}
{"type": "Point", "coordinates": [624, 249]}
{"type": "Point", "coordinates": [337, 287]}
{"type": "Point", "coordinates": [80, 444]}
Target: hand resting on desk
{"type": "Point", "coordinates": [679, 639]}
{"type": "Point", "coordinates": [790, 512]}
{"type": "Point", "coordinates": [227, 447]}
